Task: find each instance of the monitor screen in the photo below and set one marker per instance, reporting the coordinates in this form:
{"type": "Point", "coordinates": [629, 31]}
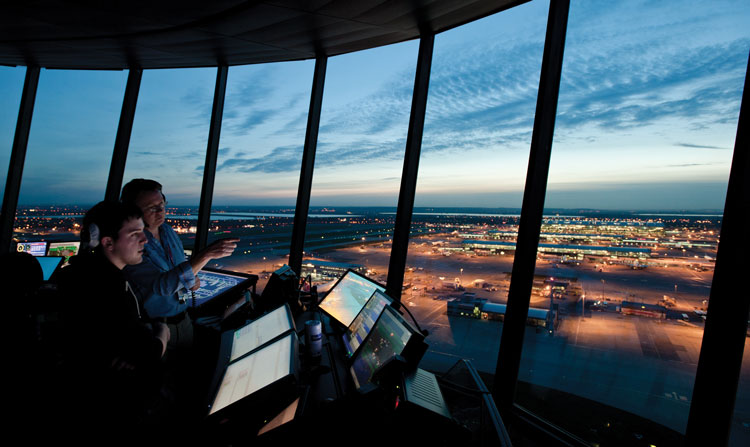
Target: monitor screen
{"type": "Point", "coordinates": [33, 248]}
{"type": "Point", "coordinates": [49, 265]}
{"type": "Point", "coordinates": [388, 338]}
{"type": "Point", "coordinates": [361, 326]}
{"type": "Point", "coordinates": [214, 284]}
{"type": "Point", "coordinates": [260, 331]}
{"type": "Point", "coordinates": [254, 372]}
{"type": "Point", "coordinates": [348, 296]}
{"type": "Point", "coordinates": [64, 249]}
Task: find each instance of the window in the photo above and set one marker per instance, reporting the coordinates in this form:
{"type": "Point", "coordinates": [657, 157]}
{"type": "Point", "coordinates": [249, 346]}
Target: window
{"type": "Point", "coordinates": [358, 163]}
{"type": "Point", "coordinates": [70, 147]}
{"type": "Point", "coordinates": [257, 175]}
{"type": "Point", "coordinates": [479, 119]}
{"type": "Point", "coordinates": [740, 431]}
{"type": "Point", "coordinates": [169, 140]}
{"type": "Point", "coordinates": [11, 88]}
{"type": "Point", "coordinates": [646, 121]}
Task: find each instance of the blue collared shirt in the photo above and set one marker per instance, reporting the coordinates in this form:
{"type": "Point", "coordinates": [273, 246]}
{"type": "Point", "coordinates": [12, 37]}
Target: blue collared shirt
{"type": "Point", "coordinates": [163, 271]}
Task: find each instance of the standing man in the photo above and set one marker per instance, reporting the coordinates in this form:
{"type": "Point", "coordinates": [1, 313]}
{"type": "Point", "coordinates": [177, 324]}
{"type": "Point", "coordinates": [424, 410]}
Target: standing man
{"type": "Point", "coordinates": [165, 277]}
{"type": "Point", "coordinates": [164, 280]}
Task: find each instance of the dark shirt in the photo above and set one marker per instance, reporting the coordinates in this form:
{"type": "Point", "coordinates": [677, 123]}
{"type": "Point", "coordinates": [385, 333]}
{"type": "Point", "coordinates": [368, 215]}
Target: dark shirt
{"type": "Point", "coordinates": [105, 327]}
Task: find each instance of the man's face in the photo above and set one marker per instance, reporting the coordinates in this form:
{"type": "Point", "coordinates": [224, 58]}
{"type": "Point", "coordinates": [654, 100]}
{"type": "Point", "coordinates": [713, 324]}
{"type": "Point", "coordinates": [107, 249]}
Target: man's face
{"type": "Point", "coordinates": [153, 207]}
{"type": "Point", "coordinates": [128, 248]}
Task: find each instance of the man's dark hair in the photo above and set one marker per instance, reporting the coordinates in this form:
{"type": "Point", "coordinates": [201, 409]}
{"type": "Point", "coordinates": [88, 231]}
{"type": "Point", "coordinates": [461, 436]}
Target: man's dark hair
{"type": "Point", "coordinates": [105, 219]}
{"type": "Point", "coordinates": [135, 187]}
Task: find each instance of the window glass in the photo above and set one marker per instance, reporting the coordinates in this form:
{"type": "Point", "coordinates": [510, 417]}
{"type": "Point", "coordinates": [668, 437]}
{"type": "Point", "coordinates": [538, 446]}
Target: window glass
{"type": "Point", "coordinates": [479, 119]}
{"type": "Point", "coordinates": [169, 140]}
{"type": "Point", "coordinates": [740, 431]}
{"type": "Point", "coordinates": [646, 121]}
{"type": "Point", "coordinates": [11, 88]}
{"type": "Point", "coordinates": [358, 163]}
{"type": "Point", "coordinates": [71, 140]}
{"type": "Point", "coordinates": [260, 155]}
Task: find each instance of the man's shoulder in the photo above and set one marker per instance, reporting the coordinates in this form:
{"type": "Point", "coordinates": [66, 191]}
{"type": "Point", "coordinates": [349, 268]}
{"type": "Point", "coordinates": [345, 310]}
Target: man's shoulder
{"type": "Point", "coordinates": [166, 228]}
{"type": "Point", "coordinates": [88, 274]}
{"type": "Point", "coordinates": [81, 265]}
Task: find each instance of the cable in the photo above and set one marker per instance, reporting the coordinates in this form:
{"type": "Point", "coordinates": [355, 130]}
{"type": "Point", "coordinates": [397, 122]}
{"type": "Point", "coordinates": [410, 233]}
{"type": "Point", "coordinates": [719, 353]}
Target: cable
{"type": "Point", "coordinates": [422, 331]}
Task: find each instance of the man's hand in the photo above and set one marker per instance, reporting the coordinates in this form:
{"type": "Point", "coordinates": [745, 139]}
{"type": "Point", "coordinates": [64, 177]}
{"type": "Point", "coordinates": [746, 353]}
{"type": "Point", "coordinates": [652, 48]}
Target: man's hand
{"type": "Point", "coordinates": [197, 284]}
{"type": "Point", "coordinates": [219, 249]}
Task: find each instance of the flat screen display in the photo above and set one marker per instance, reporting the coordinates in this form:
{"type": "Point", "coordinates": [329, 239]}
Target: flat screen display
{"type": "Point", "coordinates": [348, 297]}
{"type": "Point", "coordinates": [388, 338]}
{"type": "Point", "coordinates": [361, 326]}
{"type": "Point", "coordinates": [64, 249]}
{"type": "Point", "coordinates": [49, 265]}
{"type": "Point", "coordinates": [261, 331]}
{"type": "Point", "coordinates": [254, 372]}
{"type": "Point", "coordinates": [214, 284]}
{"type": "Point", "coordinates": [33, 248]}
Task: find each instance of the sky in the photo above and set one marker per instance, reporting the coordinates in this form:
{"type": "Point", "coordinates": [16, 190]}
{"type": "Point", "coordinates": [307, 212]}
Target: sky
{"type": "Point", "coordinates": [647, 115]}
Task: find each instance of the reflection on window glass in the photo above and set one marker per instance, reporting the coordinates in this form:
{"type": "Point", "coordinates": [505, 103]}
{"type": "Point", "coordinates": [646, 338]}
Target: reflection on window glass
{"type": "Point", "coordinates": [69, 151]}
{"type": "Point", "coordinates": [358, 163]}
{"type": "Point", "coordinates": [740, 431]}
{"type": "Point", "coordinates": [11, 87]}
{"type": "Point", "coordinates": [169, 140]}
{"type": "Point", "coordinates": [479, 119]}
{"type": "Point", "coordinates": [257, 174]}
{"type": "Point", "coordinates": [646, 121]}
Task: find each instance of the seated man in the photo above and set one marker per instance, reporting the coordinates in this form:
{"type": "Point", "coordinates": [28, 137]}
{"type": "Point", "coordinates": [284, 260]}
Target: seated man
{"type": "Point", "coordinates": [114, 354]}
{"type": "Point", "coordinates": [165, 278]}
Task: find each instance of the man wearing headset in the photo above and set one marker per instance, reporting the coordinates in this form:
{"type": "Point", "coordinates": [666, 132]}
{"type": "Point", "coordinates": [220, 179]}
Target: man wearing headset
{"type": "Point", "coordinates": [114, 370]}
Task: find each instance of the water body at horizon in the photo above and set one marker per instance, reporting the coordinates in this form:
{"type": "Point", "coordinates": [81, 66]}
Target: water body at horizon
{"type": "Point", "coordinates": [219, 216]}
{"type": "Point", "coordinates": [240, 215]}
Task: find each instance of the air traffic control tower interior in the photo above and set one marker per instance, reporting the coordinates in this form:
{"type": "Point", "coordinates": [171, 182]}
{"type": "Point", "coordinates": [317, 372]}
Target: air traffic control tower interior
{"type": "Point", "coordinates": [511, 407]}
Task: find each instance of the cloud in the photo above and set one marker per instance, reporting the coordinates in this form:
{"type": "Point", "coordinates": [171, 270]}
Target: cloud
{"type": "Point", "coordinates": [254, 98]}
{"type": "Point", "coordinates": [699, 146]}
{"type": "Point", "coordinates": [641, 85]}
{"type": "Point", "coordinates": [280, 159]}
{"type": "Point", "coordinates": [690, 165]}
{"type": "Point", "coordinates": [384, 110]}
{"type": "Point", "coordinates": [483, 96]}
{"type": "Point", "coordinates": [476, 101]}
{"type": "Point", "coordinates": [296, 124]}
{"type": "Point", "coordinates": [145, 153]}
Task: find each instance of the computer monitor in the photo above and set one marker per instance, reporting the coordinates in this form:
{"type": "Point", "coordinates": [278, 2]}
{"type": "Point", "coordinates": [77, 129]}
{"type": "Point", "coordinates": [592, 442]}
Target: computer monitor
{"type": "Point", "coordinates": [364, 322]}
{"type": "Point", "coordinates": [49, 265]}
{"type": "Point", "coordinates": [216, 283]}
{"type": "Point", "coordinates": [33, 248]}
{"type": "Point", "coordinates": [348, 296]}
{"type": "Point", "coordinates": [282, 287]}
{"type": "Point", "coordinates": [251, 375]}
{"type": "Point", "coordinates": [240, 342]}
{"type": "Point", "coordinates": [64, 249]}
{"type": "Point", "coordinates": [390, 336]}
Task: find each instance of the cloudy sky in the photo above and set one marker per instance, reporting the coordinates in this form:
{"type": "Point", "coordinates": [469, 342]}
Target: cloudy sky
{"type": "Point", "coordinates": [646, 119]}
